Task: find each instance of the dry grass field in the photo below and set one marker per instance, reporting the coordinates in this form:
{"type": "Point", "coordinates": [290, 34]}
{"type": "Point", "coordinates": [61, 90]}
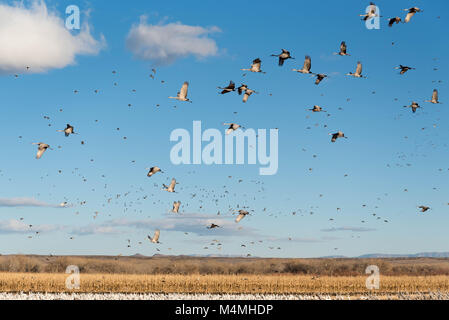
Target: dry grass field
{"type": "Point", "coordinates": [221, 266]}
{"type": "Point", "coordinates": [220, 284]}
{"type": "Point", "coordinates": [218, 276]}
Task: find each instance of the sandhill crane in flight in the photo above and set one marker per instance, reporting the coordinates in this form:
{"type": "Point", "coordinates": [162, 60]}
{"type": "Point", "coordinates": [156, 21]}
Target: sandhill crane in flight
{"type": "Point", "coordinates": [342, 49]}
{"type": "Point", "coordinates": [153, 170]}
{"type": "Point", "coordinates": [68, 130]}
{"type": "Point", "coordinates": [434, 97]}
{"type": "Point", "coordinates": [242, 214]}
{"type": "Point", "coordinates": [337, 135]}
{"type": "Point", "coordinates": [319, 78]}
{"type": "Point", "coordinates": [358, 71]}
{"type": "Point", "coordinates": [232, 127]}
{"type": "Point", "coordinates": [307, 66]}
{"type": "Point", "coordinates": [155, 238]}
{"type": "Point", "coordinates": [404, 69]}
{"type": "Point", "coordinates": [229, 88]}
{"type": "Point", "coordinates": [394, 20]}
{"type": "Point", "coordinates": [247, 92]}
{"type": "Point", "coordinates": [411, 13]}
{"type": "Point", "coordinates": [255, 66]}
{"type": "Point", "coordinates": [182, 94]}
{"type": "Point", "coordinates": [414, 106]}
{"type": "Point", "coordinates": [317, 109]}
{"type": "Point", "coordinates": [424, 208]}
{"type": "Point", "coordinates": [283, 56]}
{"type": "Point", "coordinates": [372, 12]}
{"type": "Point", "coordinates": [176, 205]}
{"type": "Point", "coordinates": [242, 88]}
{"type": "Point", "coordinates": [42, 147]}
{"type": "Point", "coordinates": [171, 187]}
{"type": "Point", "coordinates": [213, 226]}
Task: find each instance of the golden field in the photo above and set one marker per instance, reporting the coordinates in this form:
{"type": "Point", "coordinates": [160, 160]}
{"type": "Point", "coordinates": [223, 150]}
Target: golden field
{"type": "Point", "coordinates": [218, 284]}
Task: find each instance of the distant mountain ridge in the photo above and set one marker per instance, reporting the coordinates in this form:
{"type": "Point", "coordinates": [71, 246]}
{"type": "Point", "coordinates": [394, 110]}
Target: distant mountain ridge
{"type": "Point", "coordinates": [415, 255]}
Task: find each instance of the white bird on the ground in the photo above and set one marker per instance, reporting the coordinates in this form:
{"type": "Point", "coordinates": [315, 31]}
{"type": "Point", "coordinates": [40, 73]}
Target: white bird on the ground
{"type": "Point", "coordinates": [358, 71]}
{"type": "Point", "coordinates": [307, 66]}
{"type": "Point", "coordinates": [242, 214]}
{"type": "Point", "coordinates": [171, 187]}
{"type": "Point", "coordinates": [176, 206]}
{"type": "Point", "coordinates": [434, 97]}
{"type": "Point", "coordinates": [283, 56]}
{"type": "Point", "coordinates": [155, 238]}
{"type": "Point", "coordinates": [68, 130]}
{"type": "Point", "coordinates": [182, 94]}
{"type": "Point", "coordinates": [255, 66]}
{"type": "Point", "coordinates": [153, 171]}
{"type": "Point", "coordinates": [232, 127]}
{"type": "Point", "coordinates": [42, 147]}
{"type": "Point", "coordinates": [342, 50]}
{"type": "Point", "coordinates": [411, 13]}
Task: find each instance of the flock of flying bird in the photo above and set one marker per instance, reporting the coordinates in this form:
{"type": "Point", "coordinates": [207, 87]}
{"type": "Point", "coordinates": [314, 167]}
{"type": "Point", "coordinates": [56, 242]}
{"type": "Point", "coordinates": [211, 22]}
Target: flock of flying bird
{"type": "Point", "coordinates": [244, 90]}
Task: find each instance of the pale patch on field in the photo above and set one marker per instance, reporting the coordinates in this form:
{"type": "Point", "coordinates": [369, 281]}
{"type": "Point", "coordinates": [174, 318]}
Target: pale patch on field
{"type": "Point", "coordinates": [175, 296]}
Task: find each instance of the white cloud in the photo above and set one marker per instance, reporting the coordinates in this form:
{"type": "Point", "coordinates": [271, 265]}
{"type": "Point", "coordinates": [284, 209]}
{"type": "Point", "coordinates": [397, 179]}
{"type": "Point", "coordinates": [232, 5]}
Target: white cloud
{"type": "Point", "coordinates": [192, 223]}
{"type": "Point", "coordinates": [163, 44]}
{"type": "Point", "coordinates": [92, 229]}
{"type": "Point", "coordinates": [25, 202]}
{"type": "Point", "coordinates": [36, 37]}
{"type": "Point", "coordinates": [16, 226]}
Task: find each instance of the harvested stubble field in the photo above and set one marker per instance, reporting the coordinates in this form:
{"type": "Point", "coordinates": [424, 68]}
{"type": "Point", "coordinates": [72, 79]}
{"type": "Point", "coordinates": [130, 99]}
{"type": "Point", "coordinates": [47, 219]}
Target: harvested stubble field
{"type": "Point", "coordinates": [220, 284]}
{"type": "Point", "coordinates": [220, 276]}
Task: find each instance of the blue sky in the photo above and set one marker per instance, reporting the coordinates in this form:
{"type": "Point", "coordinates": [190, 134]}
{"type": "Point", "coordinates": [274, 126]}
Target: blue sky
{"type": "Point", "coordinates": [389, 149]}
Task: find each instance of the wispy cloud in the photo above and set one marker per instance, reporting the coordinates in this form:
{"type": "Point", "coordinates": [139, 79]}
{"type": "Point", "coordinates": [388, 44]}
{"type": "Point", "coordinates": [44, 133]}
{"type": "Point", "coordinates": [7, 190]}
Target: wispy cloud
{"type": "Point", "coordinates": [16, 226]}
{"type": "Point", "coordinates": [26, 202]}
{"type": "Point", "coordinates": [163, 44]}
{"type": "Point", "coordinates": [354, 229]}
{"type": "Point", "coordinates": [36, 37]}
{"type": "Point", "coordinates": [191, 223]}
{"type": "Point", "coordinates": [94, 230]}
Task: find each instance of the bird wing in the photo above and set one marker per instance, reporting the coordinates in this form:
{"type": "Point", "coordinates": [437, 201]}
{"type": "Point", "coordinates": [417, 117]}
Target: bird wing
{"type": "Point", "coordinates": [184, 89]}
{"type": "Point", "coordinates": [40, 152]}
{"type": "Point", "coordinates": [359, 68]}
{"type": "Point", "coordinates": [435, 95]}
{"type": "Point", "coordinates": [307, 63]}
{"type": "Point", "coordinates": [281, 61]}
{"type": "Point", "coordinates": [156, 235]}
{"type": "Point", "coordinates": [239, 218]}
{"type": "Point", "coordinates": [409, 16]}
{"type": "Point", "coordinates": [343, 47]}
{"type": "Point", "coordinates": [245, 96]}
{"type": "Point", "coordinates": [231, 85]}
{"type": "Point", "coordinates": [172, 184]}
{"type": "Point", "coordinates": [256, 65]}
